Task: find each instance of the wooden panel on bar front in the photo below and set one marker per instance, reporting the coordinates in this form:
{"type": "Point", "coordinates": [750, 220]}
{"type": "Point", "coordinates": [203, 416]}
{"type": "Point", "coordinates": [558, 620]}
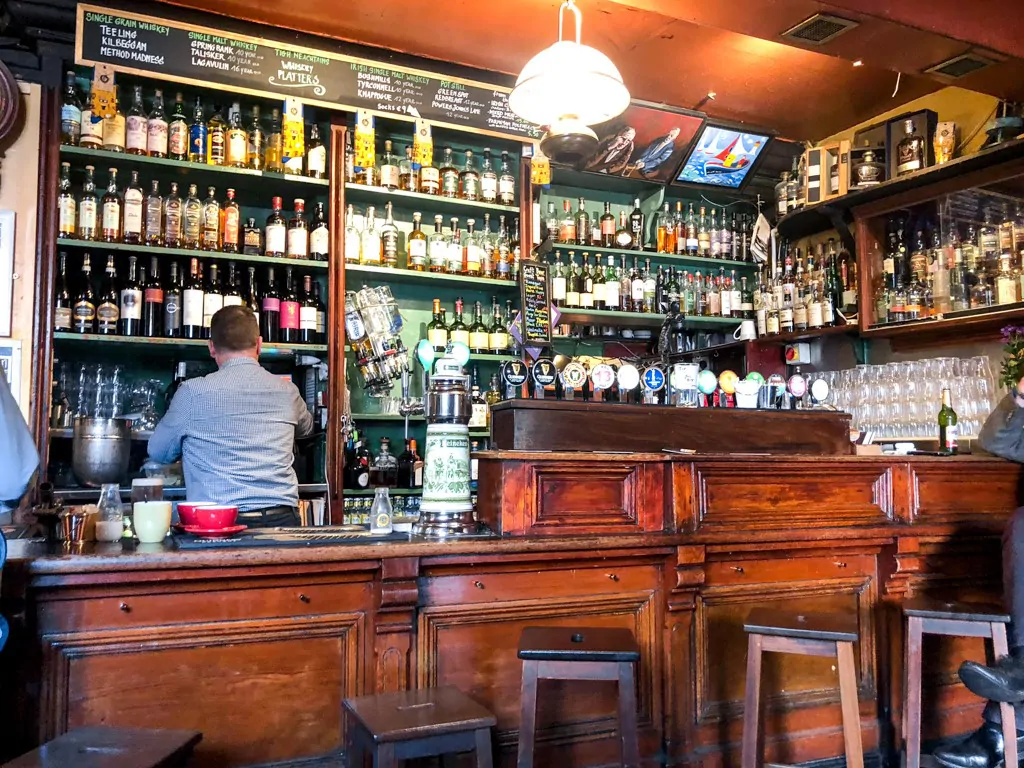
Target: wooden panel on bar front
{"type": "Point", "coordinates": [954, 490]}
{"type": "Point", "coordinates": [774, 494]}
{"type": "Point", "coordinates": [558, 425]}
{"type": "Point", "coordinates": [558, 494]}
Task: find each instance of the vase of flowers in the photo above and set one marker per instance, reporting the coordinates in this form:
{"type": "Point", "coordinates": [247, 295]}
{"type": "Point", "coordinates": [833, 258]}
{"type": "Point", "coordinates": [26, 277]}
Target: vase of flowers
{"type": "Point", "coordinates": [1011, 371]}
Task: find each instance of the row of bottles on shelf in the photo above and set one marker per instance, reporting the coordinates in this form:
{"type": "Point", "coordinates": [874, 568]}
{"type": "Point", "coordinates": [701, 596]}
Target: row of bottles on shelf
{"type": "Point", "coordinates": [185, 222]}
{"type": "Point", "coordinates": [455, 179]}
{"type": "Point", "coordinates": [479, 336]}
{"type": "Point", "coordinates": [362, 470]}
{"type": "Point", "coordinates": [691, 234]}
{"type": "Point", "coordinates": [282, 148]}
{"type": "Point", "coordinates": [977, 265]}
{"type": "Point", "coordinates": [813, 290]}
{"type": "Point", "coordinates": [617, 287]}
{"type": "Point", "coordinates": [357, 509]}
{"type": "Point", "coordinates": [144, 304]}
{"type": "Point", "coordinates": [469, 252]}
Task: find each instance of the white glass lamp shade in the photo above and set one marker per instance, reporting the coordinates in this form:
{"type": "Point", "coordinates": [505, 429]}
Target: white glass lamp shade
{"type": "Point", "coordinates": [569, 80]}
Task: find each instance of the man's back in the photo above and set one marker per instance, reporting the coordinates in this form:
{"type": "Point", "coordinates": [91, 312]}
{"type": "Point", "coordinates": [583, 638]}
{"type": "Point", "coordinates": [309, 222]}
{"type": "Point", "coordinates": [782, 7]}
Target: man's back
{"type": "Point", "coordinates": [235, 430]}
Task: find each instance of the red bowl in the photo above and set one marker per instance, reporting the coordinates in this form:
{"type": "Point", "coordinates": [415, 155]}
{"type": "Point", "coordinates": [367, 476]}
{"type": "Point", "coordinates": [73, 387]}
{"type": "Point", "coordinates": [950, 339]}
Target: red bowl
{"type": "Point", "coordinates": [207, 515]}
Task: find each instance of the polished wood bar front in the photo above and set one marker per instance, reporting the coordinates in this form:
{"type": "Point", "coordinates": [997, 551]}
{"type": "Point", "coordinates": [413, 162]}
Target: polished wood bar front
{"type": "Point", "coordinates": [257, 648]}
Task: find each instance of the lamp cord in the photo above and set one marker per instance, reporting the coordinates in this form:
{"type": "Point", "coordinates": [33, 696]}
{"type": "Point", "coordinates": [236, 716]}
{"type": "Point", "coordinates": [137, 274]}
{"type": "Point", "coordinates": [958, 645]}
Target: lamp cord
{"type": "Point", "coordinates": [571, 5]}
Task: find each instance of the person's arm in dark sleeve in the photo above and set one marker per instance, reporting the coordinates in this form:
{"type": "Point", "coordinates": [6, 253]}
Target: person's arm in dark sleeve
{"type": "Point", "coordinates": [1003, 432]}
{"type": "Point", "coordinates": [165, 444]}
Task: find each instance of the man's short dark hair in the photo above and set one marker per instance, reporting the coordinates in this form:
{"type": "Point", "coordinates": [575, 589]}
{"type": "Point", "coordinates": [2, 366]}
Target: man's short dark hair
{"type": "Point", "coordinates": [234, 329]}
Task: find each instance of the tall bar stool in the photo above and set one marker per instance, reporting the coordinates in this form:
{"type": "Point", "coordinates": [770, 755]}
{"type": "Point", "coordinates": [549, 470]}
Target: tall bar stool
{"type": "Point", "coordinates": [926, 616]}
{"type": "Point", "coordinates": [806, 634]}
{"type": "Point", "coordinates": [578, 653]}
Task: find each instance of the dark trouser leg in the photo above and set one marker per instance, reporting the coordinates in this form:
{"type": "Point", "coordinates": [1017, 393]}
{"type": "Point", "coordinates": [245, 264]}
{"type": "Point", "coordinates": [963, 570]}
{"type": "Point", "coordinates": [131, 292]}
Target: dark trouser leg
{"type": "Point", "coordinates": [1013, 599]}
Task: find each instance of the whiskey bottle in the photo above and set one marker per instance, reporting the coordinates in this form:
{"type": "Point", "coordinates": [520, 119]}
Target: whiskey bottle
{"type": "Point", "coordinates": [111, 218]}
{"type": "Point", "coordinates": [488, 180]}
{"type": "Point", "coordinates": [70, 112]}
{"type": "Point", "coordinates": [582, 224]}
{"type": "Point", "coordinates": [389, 176]}
{"type": "Point", "coordinates": [388, 237]}
{"type": "Point", "coordinates": [437, 331]}
{"type": "Point", "coordinates": [469, 179]}
{"type": "Point", "coordinates": [154, 227]}
{"type": "Point", "coordinates": [479, 334]}
{"type": "Point", "coordinates": [458, 330]}
{"type": "Point", "coordinates": [910, 151]}
{"type": "Point", "coordinates": [252, 238]}
{"type": "Point", "coordinates": [114, 128]}
{"type": "Point", "coordinates": [408, 173]}
{"type": "Point", "coordinates": [178, 131]}
{"type": "Point", "coordinates": [623, 237]}
{"type": "Point", "coordinates": [62, 309]}
{"type": "Point", "coordinates": [172, 304]}
{"type": "Point", "coordinates": [502, 252]}
{"type": "Point", "coordinates": [449, 175]}
{"type": "Point", "coordinates": [67, 207]}
{"type": "Point", "coordinates": [608, 227]}
{"type": "Point", "coordinates": [216, 138]}
{"type": "Point", "coordinates": [352, 236]}
{"type": "Point", "coordinates": [197, 135]}
{"type": "Point", "coordinates": [586, 284]}
{"type": "Point", "coordinates": [559, 283]}
{"type": "Point", "coordinates": [692, 232]}
{"type": "Point", "coordinates": [91, 136]}
{"type": "Point", "coordinates": [136, 132]}
{"type": "Point", "coordinates": [84, 311]}
{"type": "Point", "coordinates": [612, 286]}
{"type": "Point", "coordinates": [454, 248]}
{"type": "Point", "coordinates": [192, 304]}
{"type": "Point", "coordinates": [370, 240]}
{"type": "Point", "coordinates": [276, 233]}
{"type": "Point", "coordinates": [319, 235]}
{"type": "Point", "coordinates": [192, 218]}
{"type": "Point", "coordinates": [230, 224]}
{"type": "Point", "coordinates": [506, 182]}
{"type": "Point", "coordinates": [210, 229]}
{"type": "Point", "coordinates": [637, 225]}
{"type": "Point", "coordinates": [298, 232]}
{"type": "Point", "coordinates": [157, 127]}
{"type": "Point", "coordinates": [237, 149]}
{"type": "Point", "coordinates": [256, 140]}
{"type": "Point", "coordinates": [497, 335]}
{"type": "Point", "coordinates": [437, 246]}
{"type": "Point", "coordinates": [703, 235]}
{"type": "Point", "coordinates": [134, 205]}
{"type": "Point", "coordinates": [108, 309]}
{"type": "Point", "coordinates": [430, 179]}
{"type": "Point", "coordinates": [636, 288]}
{"type": "Point", "coordinates": [567, 224]}
{"type": "Point", "coordinates": [174, 231]}
{"type": "Point", "coordinates": [472, 259]}
{"type": "Point", "coordinates": [417, 246]}
{"type": "Point", "coordinates": [273, 156]}
{"type": "Point", "coordinates": [130, 306]}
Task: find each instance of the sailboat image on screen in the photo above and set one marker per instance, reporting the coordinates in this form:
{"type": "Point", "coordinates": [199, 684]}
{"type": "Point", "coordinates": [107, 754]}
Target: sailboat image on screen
{"type": "Point", "coordinates": [722, 157]}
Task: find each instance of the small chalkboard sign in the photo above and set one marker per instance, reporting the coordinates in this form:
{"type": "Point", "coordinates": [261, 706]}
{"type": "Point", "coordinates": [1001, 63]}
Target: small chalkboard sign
{"type": "Point", "coordinates": [535, 303]}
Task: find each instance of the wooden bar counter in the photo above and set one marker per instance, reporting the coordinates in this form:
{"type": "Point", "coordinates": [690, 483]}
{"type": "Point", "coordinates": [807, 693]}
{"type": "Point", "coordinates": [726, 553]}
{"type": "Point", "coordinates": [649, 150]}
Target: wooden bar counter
{"type": "Point", "coordinates": [257, 648]}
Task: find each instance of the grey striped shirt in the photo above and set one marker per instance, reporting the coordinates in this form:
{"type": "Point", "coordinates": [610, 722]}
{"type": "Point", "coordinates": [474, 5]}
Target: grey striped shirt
{"type": "Point", "coordinates": [235, 431]}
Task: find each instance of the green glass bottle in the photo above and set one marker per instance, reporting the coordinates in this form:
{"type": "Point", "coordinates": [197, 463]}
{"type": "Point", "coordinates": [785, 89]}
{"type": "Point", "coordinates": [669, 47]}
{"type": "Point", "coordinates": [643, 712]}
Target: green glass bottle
{"type": "Point", "coordinates": [947, 425]}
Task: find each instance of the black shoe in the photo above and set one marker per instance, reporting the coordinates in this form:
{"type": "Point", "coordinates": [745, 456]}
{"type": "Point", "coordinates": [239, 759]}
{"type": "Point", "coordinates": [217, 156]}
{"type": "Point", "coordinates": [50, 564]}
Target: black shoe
{"type": "Point", "coordinates": [1003, 681]}
{"type": "Point", "coordinates": [982, 749]}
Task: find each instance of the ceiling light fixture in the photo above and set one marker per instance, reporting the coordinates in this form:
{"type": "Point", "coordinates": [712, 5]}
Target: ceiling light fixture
{"type": "Point", "coordinates": [593, 94]}
{"type": "Point", "coordinates": [858, 63]}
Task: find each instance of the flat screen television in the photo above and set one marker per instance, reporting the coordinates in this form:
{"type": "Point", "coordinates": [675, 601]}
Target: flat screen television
{"type": "Point", "coordinates": [723, 157]}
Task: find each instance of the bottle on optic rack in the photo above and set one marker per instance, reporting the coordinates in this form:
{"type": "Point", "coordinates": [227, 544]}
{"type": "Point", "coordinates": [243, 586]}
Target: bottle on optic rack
{"type": "Point", "coordinates": [469, 179]}
{"type": "Point", "coordinates": [192, 304]}
{"type": "Point", "coordinates": [70, 112]}
{"type": "Point", "coordinates": [389, 176]}
{"type": "Point", "coordinates": [370, 244]}
{"type": "Point", "coordinates": [153, 301]}
{"type": "Point", "coordinates": [108, 308]}
{"type": "Point", "coordinates": [270, 310]}
{"type": "Point", "coordinates": [319, 235]}
{"type": "Point", "coordinates": [83, 318]}
{"type": "Point", "coordinates": [216, 137]}
{"type": "Point", "coordinates": [506, 182]}
{"type": "Point", "coordinates": [136, 133]}
{"type": "Point", "coordinates": [172, 304]}
{"type": "Point", "coordinates": [114, 128]}
{"type": "Point", "coordinates": [197, 134]}
{"type": "Point", "coordinates": [213, 298]}
{"type": "Point", "coordinates": [67, 207]}
{"type": "Point", "coordinates": [276, 232]}
{"type": "Point", "coordinates": [408, 173]}
{"type": "Point", "coordinates": [389, 239]}
{"type": "Point", "coordinates": [437, 247]}
{"type": "Point", "coordinates": [62, 309]}
{"type": "Point", "coordinates": [133, 212]}
{"type": "Point", "coordinates": [308, 313]}
{"type": "Point", "coordinates": [417, 246]}
{"type": "Point", "coordinates": [437, 331]}
{"type": "Point", "coordinates": [178, 132]}
{"type": "Point", "coordinates": [209, 239]}
{"type": "Point", "coordinates": [112, 204]}
{"type": "Point", "coordinates": [256, 141]}
{"type": "Point", "coordinates": [298, 232]}
{"type": "Point", "coordinates": [157, 127]}
{"type": "Point", "coordinates": [289, 320]}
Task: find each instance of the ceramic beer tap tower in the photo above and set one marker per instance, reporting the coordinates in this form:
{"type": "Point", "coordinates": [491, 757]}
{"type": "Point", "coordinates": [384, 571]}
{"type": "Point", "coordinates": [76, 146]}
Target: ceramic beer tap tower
{"type": "Point", "coordinates": [446, 509]}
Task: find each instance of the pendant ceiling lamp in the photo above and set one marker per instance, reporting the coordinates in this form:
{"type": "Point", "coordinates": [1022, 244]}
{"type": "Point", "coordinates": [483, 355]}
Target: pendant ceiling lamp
{"type": "Point", "coordinates": [568, 87]}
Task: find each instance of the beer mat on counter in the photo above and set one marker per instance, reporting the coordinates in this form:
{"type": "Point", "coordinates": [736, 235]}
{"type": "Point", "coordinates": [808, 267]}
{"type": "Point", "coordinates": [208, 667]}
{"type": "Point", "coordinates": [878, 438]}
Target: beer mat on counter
{"type": "Point", "coordinates": [277, 537]}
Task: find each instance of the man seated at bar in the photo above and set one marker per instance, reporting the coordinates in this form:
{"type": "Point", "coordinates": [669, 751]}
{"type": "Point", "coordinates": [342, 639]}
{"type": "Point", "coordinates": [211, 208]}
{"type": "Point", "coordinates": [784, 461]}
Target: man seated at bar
{"type": "Point", "coordinates": [235, 429]}
{"type": "Point", "coordinates": [1002, 435]}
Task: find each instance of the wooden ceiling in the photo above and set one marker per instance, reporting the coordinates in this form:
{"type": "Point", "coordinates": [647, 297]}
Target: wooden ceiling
{"type": "Point", "coordinates": [676, 51]}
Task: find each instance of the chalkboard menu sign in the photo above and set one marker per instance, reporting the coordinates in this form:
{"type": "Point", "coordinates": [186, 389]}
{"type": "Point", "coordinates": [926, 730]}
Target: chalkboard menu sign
{"type": "Point", "coordinates": [208, 57]}
{"type": "Point", "coordinates": [536, 303]}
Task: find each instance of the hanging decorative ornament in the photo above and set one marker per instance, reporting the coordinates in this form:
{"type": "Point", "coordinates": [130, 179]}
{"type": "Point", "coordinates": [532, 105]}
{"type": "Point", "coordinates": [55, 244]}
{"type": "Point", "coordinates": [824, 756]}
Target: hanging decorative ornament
{"type": "Point", "coordinates": [541, 96]}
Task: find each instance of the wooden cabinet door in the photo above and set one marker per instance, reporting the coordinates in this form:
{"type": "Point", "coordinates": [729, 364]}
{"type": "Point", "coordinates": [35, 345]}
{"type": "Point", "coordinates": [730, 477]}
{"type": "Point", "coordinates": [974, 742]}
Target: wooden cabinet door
{"type": "Point", "coordinates": [469, 629]}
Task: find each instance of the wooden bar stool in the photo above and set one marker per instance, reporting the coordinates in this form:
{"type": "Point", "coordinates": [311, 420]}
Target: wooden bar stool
{"type": "Point", "coordinates": [805, 634]}
{"type": "Point", "coordinates": [411, 724]}
{"type": "Point", "coordinates": [578, 653]}
{"type": "Point", "coordinates": [927, 616]}
{"type": "Point", "coordinates": [98, 747]}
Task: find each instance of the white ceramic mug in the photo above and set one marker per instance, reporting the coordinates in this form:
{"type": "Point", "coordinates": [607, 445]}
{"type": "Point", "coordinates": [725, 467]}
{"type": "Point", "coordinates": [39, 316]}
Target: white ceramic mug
{"type": "Point", "coordinates": [745, 331]}
{"type": "Point", "coordinates": [151, 520]}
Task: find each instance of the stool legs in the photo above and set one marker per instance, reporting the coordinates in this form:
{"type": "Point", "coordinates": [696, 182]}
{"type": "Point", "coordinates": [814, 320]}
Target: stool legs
{"type": "Point", "coordinates": [752, 742]}
{"type": "Point", "coordinates": [851, 710]}
{"type": "Point", "coordinates": [912, 702]}
{"type": "Point", "coordinates": [1006, 714]}
{"type": "Point", "coordinates": [527, 715]}
{"type": "Point", "coordinates": [384, 756]}
{"type": "Point", "coordinates": [627, 717]}
{"type": "Point", "coordinates": [483, 748]}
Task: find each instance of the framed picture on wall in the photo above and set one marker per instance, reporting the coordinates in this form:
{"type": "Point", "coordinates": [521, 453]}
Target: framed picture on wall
{"type": "Point", "coordinates": [6, 271]}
